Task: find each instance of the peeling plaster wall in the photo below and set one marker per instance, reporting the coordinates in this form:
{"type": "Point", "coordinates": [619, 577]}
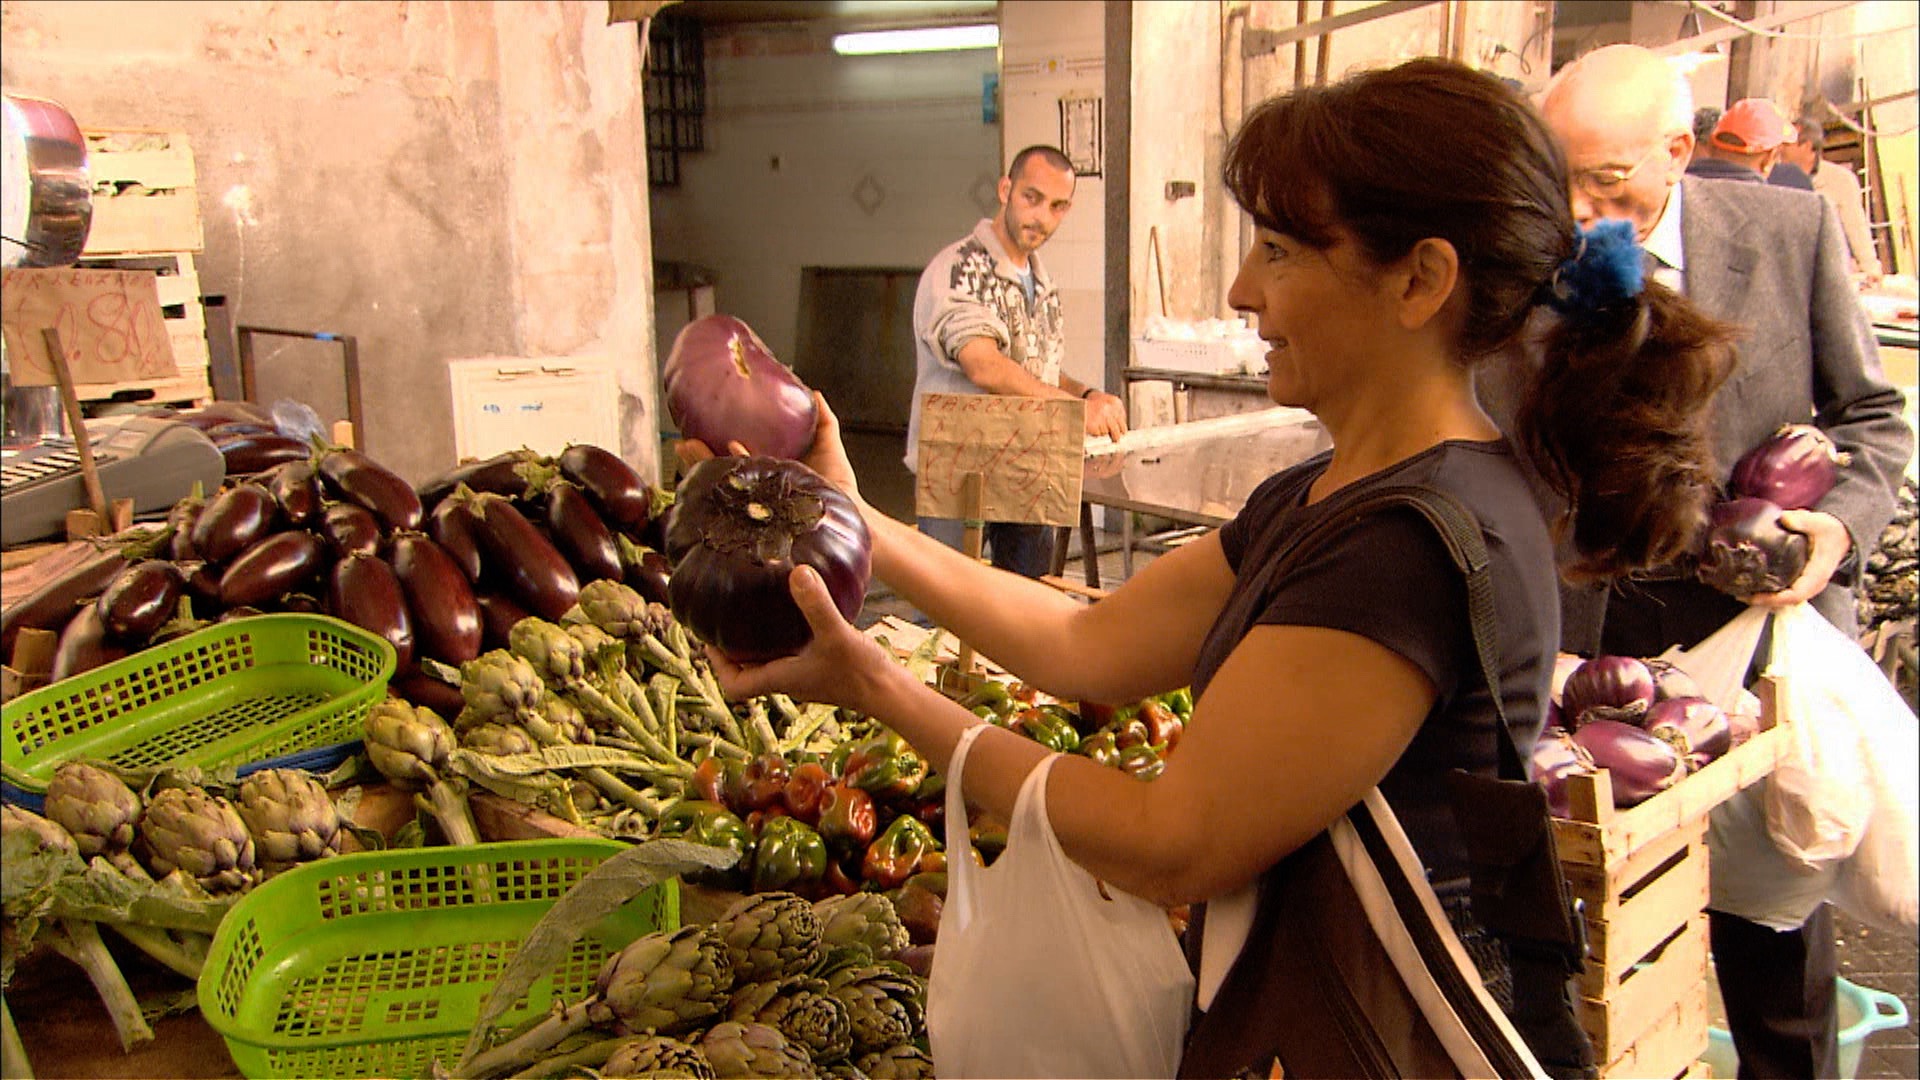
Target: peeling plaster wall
{"type": "Point", "coordinates": [438, 179]}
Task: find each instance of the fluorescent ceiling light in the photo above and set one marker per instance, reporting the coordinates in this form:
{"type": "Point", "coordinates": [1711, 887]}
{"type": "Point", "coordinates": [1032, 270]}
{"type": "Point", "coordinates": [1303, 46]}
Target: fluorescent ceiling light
{"type": "Point", "coordinates": [924, 39]}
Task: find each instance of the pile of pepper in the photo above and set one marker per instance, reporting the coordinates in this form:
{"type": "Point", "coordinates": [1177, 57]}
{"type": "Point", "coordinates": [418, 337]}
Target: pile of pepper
{"type": "Point", "coordinates": [1135, 739]}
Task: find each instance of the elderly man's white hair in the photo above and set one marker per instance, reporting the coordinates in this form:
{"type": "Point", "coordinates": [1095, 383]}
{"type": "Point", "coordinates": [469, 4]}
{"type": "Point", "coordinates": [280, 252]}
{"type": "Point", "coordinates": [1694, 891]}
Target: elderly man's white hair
{"type": "Point", "coordinates": [1675, 93]}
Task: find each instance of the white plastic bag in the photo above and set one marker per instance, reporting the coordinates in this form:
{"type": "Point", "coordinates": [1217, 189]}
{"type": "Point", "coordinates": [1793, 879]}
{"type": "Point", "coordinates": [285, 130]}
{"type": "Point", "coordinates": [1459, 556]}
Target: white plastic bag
{"type": "Point", "coordinates": [1750, 876]}
{"type": "Point", "coordinates": [1038, 973]}
{"type": "Point", "coordinates": [1819, 799]}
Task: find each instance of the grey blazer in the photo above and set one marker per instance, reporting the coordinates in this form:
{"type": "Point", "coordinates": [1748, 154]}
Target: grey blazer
{"type": "Point", "coordinates": [1773, 261]}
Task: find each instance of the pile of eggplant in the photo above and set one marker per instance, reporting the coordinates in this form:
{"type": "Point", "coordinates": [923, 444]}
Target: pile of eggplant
{"type": "Point", "coordinates": [442, 572]}
{"type": "Point", "coordinates": [1644, 721]}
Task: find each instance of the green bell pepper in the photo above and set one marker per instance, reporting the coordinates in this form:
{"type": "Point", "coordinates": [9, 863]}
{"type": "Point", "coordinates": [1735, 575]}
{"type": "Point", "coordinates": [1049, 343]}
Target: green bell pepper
{"type": "Point", "coordinates": [885, 766]}
{"type": "Point", "coordinates": [712, 824]}
{"type": "Point", "coordinates": [1048, 729]}
{"type": "Point", "coordinates": [895, 855]}
{"type": "Point", "coordinates": [1100, 747]}
{"type": "Point", "coordinates": [788, 855]}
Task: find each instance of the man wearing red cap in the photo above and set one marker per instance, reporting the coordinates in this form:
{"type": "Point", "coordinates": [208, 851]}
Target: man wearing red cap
{"type": "Point", "coordinates": [1746, 145]}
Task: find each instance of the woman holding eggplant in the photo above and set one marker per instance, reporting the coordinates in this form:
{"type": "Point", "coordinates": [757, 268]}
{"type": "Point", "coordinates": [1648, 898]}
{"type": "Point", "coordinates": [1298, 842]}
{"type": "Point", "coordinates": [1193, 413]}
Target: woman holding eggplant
{"type": "Point", "coordinates": [1385, 264]}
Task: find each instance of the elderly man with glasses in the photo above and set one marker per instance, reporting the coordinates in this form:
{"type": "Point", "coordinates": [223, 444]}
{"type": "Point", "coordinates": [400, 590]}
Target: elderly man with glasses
{"type": "Point", "coordinates": [1771, 261]}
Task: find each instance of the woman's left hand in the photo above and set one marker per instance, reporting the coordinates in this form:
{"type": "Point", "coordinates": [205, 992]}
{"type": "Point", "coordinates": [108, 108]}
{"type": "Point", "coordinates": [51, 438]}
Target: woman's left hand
{"type": "Point", "coordinates": [839, 666]}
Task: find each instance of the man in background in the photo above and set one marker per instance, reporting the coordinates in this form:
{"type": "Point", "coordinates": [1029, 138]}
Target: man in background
{"type": "Point", "coordinates": [1745, 145]}
{"type": "Point", "coordinates": [987, 320]}
{"type": "Point", "coordinates": [1842, 189]}
{"type": "Point", "coordinates": [1773, 262]}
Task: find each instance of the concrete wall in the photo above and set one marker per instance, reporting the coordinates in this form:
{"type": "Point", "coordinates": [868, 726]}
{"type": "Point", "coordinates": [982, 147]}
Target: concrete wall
{"type": "Point", "coordinates": [815, 159]}
{"type": "Point", "coordinates": [440, 179]}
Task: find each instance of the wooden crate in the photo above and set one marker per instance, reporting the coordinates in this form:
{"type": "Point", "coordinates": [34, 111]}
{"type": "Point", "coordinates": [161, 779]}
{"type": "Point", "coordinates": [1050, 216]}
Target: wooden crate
{"type": "Point", "coordinates": [144, 196]}
{"type": "Point", "coordinates": [1641, 874]}
{"type": "Point", "coordinates": [177, 281]}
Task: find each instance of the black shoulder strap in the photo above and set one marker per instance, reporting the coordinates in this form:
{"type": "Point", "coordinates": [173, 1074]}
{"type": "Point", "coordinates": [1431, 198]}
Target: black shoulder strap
{"type": "Point", "coordinates": [1460, 531]}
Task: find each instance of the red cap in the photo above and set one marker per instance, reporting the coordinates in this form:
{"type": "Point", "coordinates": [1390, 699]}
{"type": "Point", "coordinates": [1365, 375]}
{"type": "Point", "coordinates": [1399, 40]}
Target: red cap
{"type": "Point", "coordinates": [1753, 126]}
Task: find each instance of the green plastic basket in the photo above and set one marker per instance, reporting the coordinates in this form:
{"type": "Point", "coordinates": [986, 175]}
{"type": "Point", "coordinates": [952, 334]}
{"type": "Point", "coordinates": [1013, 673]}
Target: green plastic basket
{"type": "Point", "coordinates": [376, 964]}
{"type": "Point", "coordinates": [232, 694]}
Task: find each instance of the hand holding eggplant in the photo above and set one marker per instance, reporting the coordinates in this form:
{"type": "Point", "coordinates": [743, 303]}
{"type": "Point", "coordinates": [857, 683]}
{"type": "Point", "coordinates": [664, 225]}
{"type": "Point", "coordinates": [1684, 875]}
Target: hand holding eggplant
{"type": "Point", "coordinates": [1827, 547]}
{"type": "Point", "coordinates": [839, 666]}
{"type": "Point", "coordinates": [828, 455]}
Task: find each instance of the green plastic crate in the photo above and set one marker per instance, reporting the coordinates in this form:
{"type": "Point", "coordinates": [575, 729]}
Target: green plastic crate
{"type": "Point", "coordinates": [231, 694]}
{"type": "Point", "coordinates": [376, 964]}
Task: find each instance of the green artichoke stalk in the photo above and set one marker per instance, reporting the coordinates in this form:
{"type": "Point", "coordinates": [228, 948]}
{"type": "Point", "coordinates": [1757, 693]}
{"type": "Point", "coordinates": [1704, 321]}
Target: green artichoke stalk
{"type": "Point", "coordinates": [13, 1052]}
{"type": "Point", "coordinates": [409, 744]}
{"type": "Point", "coordinates": [201, 835]}
{"type": "Point", "coordinates": [770, 936]}
{"type": "Point", "coordinates": [561, 659]}
{"type": "Point", "coordinates": [886, 1003]}
{"type": "Point", "coordinates": [655, 1056]}
{"type": "Point", "coordinates": [902, 1062]}
{"type": "Point", "coordinates": [77, 939]}
{"type": "Point", "coordinates": [801, 1009]}
{"type": "Point", "coordinates": [98, 809]}
{"type": "Point", "coordinates": [653, 638]}
{"type": "Point", "coordinates": [291, 818]}
{"type": "Point", "coordinates": [862, 920]}
{"type": "Point", "coordinates": [662, 983]}
{"type": "Point", "coordinates": [753, 1050]}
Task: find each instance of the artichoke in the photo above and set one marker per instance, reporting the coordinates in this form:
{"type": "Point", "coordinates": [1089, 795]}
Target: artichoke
{"type": "Point", "coordinates": [770, 936]}
{"type": "Point", "coordinates": [199, 834]}
{"type": "Point", "coordinates": [501, 687]}
{"type": "Point", "coordinates": [558, 720]}
{"type": "Point", "coordinates": [655, 1056]}
{"type": "Point", "coordinates": [558, 656]}
{"type": "Point", "coordinates": [886, 1004]}
{"type": "Point", "coordinates": [290, 817]}
{"type": "Point", "coordinates": [665, 982]}
{"type": "Point", "coordinates": [621, 612]}
{"type": "Point", "coordinates": [47, 836]}
{"type": "Point", "coordinates": [801, 1009]}
{"type": "Point", "coordinates": [408, 743]}
{"type": "Point", "coordinates": [902, 1062]}
{"type": "Point", "coordinates": [497, 739]}
{"type": "Point", "coordinates": [862, 920]}
{"type": "Point", "coordinates": [753, 1050]}
{"type": "Point", "coordinates": [93, 805]}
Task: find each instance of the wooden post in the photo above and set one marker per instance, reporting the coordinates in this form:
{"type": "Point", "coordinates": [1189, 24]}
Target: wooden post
{"type": "Point", "coordinates": [77, 427]}
{"type": "Point", "coordinates": [971, 486]}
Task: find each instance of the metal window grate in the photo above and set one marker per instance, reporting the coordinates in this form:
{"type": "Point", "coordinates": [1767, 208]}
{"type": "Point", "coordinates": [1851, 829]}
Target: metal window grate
{"type": "Point", "coordinates": [676, 96]}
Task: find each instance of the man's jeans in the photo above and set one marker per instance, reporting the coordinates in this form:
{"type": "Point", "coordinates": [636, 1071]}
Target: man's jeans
{"type": "Point", "coordinates": [1026, 550]}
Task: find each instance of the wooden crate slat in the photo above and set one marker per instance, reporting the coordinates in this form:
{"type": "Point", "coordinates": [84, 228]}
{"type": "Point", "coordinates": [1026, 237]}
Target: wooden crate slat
{"type": "Point", "coordinates": [1671, 1046]}
{"type": "Point", "coordinates": [164, 169]}
{"type": "Point", "coordinates": [1643, 922]}
{"type": "Point", "coordinates": [145, 222]}
{"type": "Point", "coordinates": [1615, 1021]}
{"type": "Point", "coordinates": [1604, 888]}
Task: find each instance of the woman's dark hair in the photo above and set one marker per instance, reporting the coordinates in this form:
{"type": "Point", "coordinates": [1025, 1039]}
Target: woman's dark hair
{"type": "Point", "coordinates": [1615, 419]}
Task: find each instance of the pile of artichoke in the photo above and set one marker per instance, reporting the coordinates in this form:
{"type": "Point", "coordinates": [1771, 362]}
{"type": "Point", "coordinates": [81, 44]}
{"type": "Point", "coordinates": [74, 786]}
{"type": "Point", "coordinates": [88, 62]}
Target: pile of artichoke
{"type": "Point", "coordinates": [776, 987]}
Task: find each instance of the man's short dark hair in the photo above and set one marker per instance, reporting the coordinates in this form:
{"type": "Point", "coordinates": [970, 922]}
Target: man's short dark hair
{"type": "Point", "coordinates": [1812, 132]}
{"type": "Point", "coordinates": [1049, 154]}
{"type": "Point", "coordinates": [1704, 119]}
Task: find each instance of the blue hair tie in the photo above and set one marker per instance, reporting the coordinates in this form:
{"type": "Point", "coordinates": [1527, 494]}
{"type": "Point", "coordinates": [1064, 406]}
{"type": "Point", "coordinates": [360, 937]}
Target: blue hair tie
{"type": "Point", "coordinates": [1604, 270]}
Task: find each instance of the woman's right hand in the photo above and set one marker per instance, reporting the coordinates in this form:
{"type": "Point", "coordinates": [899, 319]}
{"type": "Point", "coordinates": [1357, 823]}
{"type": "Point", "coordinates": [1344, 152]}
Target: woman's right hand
{"type": "Point", "coordinates": [828, 456]}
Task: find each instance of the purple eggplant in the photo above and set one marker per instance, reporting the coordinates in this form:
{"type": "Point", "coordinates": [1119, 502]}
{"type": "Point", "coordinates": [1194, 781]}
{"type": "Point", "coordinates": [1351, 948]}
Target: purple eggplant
{"type": "Point", "coordinates": [85, 645]}
{"type": "Point", "coordinates": [1748, 551]}
{"type": "Point", "coordinates": [1555, 757]}
{"type": "Point", "coordinates": [352, 529]}
{"type": "Point", "coordinates": [580, 534]}
{"type": "Point", "coordinates": [270, 569]}
{"type": "Point", "coordinates": [357, 478]}
{"type": "Point", "coordinates": [235, 428]}
{"type": "Point", "coordinates": [645, 571]}
{"type": "Point", "coordinates": [1670, 681]}
{"type": "Point", "coordinates": [1642, 765]}
{"type": "Point", "coordinates": [301, 603]}
{"type": "Point", "coordinates": [140, 600]}
{"type": "Point", "coordinates": [503, 474]}
{"type": "Point", "coordinates": [227, 412]}
{"type": "Point", "coordinates": [249, 454]}
{"type": "Point", "coordinates": [203, 579]}
{"type": "Point", "coordinates": [1697, 729]}
{"type": "Point", "coordinates": [234, 521]}
{"type": "Point", "coordinates": [366, 592]}
{"type": "Point", "coordinates": [180, 519]}
{"type": "Point", "coordinates": [420, 688]}
{"type": "Point", "coordinates": [1793, 468]}
{"type": "Point", "coordinates": [1606, 688]}
{"type": "Point", "coordinates": [53, 604]}
{"type": "Point", "coordinates": [537, 575]}
{"type": "Point", "coordinates": [621, 493]}
{"type": "Point", "coordinates": [451, 525]}
{"type": "Point", "coordinates": [446, 615]}
{"type": "Point", "coordinates": [499, 614]}
{"type": "Point", "coordinates": [296, 488]}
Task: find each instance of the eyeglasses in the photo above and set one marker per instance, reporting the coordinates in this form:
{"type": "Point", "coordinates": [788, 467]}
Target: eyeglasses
{"type": "Point", "coordinates": [1607, 181]}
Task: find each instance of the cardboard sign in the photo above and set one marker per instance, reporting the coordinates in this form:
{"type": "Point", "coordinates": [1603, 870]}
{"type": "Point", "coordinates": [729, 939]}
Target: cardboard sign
{"type": "Point", "coordinates": [109, 321]}
{"type": "Point", "coordinates": [1028, 452]}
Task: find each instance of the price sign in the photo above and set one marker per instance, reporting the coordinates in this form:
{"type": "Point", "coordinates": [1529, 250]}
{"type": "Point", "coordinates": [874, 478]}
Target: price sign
{"type": "Point", "coordinates": [109, 321]}
{"type": "Point", "coordinates": [1028, 453]}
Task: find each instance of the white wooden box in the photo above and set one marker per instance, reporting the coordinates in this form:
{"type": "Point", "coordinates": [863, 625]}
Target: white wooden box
{"type": "Point", "coordinates": [544, 404]}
